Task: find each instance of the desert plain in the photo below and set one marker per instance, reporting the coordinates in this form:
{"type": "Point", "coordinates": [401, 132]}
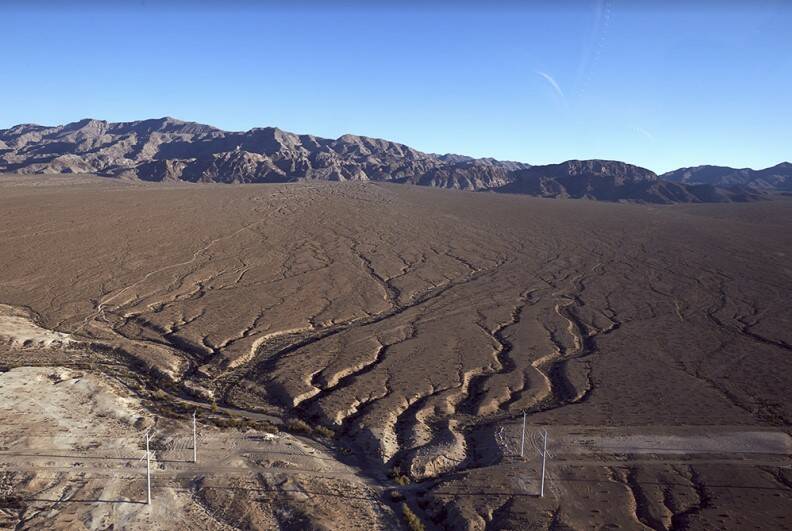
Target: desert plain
{"type": "Point", "coordinates": [364, 356]}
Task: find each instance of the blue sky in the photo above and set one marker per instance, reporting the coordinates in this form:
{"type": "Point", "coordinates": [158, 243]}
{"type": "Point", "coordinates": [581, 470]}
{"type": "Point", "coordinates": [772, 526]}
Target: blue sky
{"type": "Point", "coordinates": [710, 82]}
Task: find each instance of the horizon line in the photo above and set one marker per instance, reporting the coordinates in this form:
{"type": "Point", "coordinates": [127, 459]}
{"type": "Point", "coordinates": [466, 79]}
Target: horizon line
{"type": "Point", "coordinates": [169, 117]}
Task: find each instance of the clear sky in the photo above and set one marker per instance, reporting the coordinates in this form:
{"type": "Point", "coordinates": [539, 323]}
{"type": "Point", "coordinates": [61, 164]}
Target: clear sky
{"type": "Point", "coordinates": [662, 87]}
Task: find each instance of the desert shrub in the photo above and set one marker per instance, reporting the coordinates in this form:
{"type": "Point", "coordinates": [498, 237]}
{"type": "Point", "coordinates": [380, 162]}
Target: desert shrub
{"type": "Point", "coordinates": [402, 480]}
{"type": "Point", "coordinates": [413, 522]}
{"type": "Point", "coordinates": [324, 431]}
{"type": "Point", "coordinates": [267, 428]}
{"type": "Point", "coordinates": [395, 495]}
{"type": "Point", "coordinates": [396, 475]}
{"type": "Point", "coordinates": [236, 422]}
{"type": "Point", "coordinates": [262, 425]}
{"type": "Point", "coordinates": [298, 426]}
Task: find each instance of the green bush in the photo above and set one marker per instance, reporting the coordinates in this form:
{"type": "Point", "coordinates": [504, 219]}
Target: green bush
{"type": "Point", "coordinates": [298, 426]}
{"type": "Point", "coordinates": [324, 431]}
{"type": "Point", "coordinates": [396, 475]}
{"type": "Point", "coordinates": [413, 522]}
{"type": "Point", "coordinates": [402, 480]}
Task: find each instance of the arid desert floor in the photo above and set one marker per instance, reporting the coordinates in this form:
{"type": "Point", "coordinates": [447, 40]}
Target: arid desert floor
{"type": "Point", "coordinates": [355, 351]}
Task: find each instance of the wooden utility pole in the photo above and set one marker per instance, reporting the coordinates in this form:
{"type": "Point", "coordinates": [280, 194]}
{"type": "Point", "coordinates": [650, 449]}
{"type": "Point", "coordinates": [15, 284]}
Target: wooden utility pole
{"type": "Point", "coordinates": [195, 441]}
{"type": "Point", "coordinates": [148, 471]}
{"type": "Point", "coordinates": [544, 461]}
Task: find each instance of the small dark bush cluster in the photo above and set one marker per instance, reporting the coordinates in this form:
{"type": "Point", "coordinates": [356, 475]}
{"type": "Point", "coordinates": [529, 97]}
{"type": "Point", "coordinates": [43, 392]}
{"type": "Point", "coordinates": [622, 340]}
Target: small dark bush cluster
{"type": "Point", "coordinates": [324, 431]}
{"type": "Point", "coordinates": [396, 475]}
{"type": "Point", "coordinates": [298, 426]}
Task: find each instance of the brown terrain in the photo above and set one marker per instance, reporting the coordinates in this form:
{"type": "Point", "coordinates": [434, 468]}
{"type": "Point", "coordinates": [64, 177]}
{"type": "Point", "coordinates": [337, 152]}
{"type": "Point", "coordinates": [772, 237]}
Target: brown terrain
{"type": "Point", "coordinates": [360, 356]}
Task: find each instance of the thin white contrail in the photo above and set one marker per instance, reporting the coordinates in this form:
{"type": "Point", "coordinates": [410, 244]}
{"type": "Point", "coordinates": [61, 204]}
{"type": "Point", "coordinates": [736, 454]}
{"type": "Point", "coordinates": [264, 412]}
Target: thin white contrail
{"type": "Point", "coordinates": [553, 83]}
{"type": "Point", "coordinates": [644, 132]}
{"type": "Point", "coordinates": [594, 43]}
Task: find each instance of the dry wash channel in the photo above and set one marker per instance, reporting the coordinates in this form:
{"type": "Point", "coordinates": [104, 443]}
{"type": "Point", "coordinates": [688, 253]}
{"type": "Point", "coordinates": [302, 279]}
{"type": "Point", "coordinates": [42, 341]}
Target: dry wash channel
{"type": "Point", "coordinates": [415, 326]}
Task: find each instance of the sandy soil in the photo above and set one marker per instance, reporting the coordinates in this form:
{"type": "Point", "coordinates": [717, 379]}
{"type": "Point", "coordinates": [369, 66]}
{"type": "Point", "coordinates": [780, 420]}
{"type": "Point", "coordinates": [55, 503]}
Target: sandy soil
{"type": "Point", "coordinates": [72, 455]}
{"type": "Point", "coordinates": [652, 342]}
{"type": "Point", "coordinates": [19, 330]}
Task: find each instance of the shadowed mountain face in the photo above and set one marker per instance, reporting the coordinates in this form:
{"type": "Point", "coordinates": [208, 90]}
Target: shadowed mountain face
{"type": "Point", "coordinates": [775, 178]}
{"type": "Point", "coordinates": [167, 149]}
{"type": "Point", "coordinates": [614, 181]}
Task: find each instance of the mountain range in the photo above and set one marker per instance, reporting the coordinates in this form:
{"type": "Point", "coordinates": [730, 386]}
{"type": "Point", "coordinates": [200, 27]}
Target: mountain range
{"type": "Point", "coordinates": [775, 178]}
{"type": "Point", "coordinates": [167, 149]}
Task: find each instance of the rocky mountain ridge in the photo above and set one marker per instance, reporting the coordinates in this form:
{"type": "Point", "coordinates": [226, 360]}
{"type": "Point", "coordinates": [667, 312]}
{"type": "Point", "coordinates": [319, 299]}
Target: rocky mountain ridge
{"type": "Point", "coordinates": [167, 149]}
{"type": "Point", "coordinates": [774, 178]}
